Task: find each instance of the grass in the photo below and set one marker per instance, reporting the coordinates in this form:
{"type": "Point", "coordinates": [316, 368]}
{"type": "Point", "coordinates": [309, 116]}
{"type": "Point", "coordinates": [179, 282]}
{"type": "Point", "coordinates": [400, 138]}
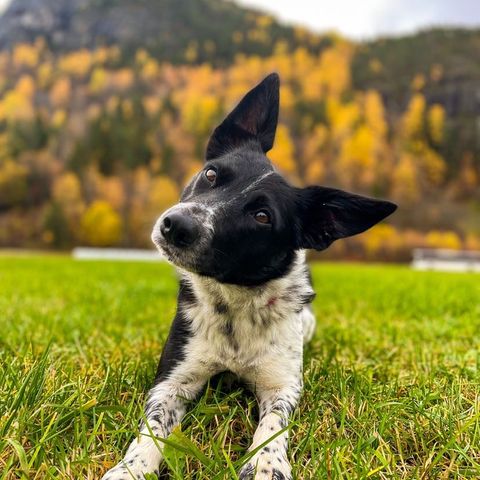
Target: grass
{"type": "Point", "coordinates": [392, 383]}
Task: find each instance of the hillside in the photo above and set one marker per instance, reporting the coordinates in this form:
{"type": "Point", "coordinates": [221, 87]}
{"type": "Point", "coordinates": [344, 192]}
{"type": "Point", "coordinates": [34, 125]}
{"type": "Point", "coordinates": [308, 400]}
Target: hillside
{"type": "Point", "coordinates": [176, 31]}
{"type": "Point", "coordinates": [443, 64]}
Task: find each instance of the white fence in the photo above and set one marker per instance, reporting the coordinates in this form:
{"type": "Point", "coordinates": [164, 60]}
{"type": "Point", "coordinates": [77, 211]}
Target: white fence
{"type": "Point", "coordinates": [446, 260]}
{"type": "Point", "coordinates": [85, 253]}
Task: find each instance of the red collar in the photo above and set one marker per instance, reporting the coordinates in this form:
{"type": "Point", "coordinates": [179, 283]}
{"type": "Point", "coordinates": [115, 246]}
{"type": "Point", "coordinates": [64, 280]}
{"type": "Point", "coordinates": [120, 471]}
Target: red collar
{"type": "Point", "coordinates": [272, 302]}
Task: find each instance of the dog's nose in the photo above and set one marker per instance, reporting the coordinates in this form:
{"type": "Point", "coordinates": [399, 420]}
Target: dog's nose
{"type": "Point", "coordinates": [179, 229]}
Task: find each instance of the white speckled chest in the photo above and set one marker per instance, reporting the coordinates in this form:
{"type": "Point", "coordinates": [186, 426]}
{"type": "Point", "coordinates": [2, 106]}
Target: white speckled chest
{"type": "Point", "coordinates": [240, 328]}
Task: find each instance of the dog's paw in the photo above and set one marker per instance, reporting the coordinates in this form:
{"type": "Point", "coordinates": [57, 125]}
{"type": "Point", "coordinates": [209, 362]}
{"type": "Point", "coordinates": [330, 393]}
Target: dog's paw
{"type": "Point", "coordinates": [266, 466]}
{"type": "Point", "coordinates": [132, 469]}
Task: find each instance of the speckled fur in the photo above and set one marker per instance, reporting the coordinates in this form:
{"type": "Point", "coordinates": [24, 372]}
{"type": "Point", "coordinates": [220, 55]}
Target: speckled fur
{"type": "Point", "coordinates": [237, 329]}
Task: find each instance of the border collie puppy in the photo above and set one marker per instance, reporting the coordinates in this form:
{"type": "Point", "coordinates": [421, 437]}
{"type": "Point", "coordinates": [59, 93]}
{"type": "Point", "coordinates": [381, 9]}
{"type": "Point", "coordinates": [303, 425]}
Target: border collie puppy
{"type": "Point", "coordinates": [238, 238]}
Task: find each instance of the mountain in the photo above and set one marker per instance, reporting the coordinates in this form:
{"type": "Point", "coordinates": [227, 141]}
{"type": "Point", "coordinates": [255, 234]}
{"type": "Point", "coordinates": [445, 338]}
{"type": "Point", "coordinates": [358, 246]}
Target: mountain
{"type": "Point", "coordinates": [193, 30]}
{"type": "Point", "coordinates": [443, 64]}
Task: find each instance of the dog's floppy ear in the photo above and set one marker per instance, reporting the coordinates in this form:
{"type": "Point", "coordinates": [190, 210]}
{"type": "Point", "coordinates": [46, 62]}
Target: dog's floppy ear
{"type": "Point", "coordinates": [254, 118]}
{"type": "Point", "coordinates": [327, 214]}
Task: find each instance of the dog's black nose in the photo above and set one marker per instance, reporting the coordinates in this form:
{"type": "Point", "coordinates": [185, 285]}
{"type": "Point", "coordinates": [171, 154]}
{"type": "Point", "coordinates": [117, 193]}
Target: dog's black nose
{"type": "Point", "coordinates": [179, 229]}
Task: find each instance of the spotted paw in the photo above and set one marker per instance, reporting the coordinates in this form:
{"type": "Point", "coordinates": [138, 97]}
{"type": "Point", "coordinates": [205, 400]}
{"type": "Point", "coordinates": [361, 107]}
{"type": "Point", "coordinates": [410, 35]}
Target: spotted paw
{"type": "Point", "coordinates": [131, 469]}
{"type": "Point", "coordinates": [266, 466]}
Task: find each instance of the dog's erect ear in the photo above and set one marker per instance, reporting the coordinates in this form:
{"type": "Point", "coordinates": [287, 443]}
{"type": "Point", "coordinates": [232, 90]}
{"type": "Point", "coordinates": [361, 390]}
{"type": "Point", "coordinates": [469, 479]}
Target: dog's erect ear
{"type": "Point", "coordinates": [254, 118]}
{"type": "Point", "coordinates": [327, 214]}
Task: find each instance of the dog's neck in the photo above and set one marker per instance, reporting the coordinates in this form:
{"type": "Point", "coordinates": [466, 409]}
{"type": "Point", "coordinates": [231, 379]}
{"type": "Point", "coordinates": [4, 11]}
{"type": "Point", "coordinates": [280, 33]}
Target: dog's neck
{"type": "Point", "coordinates": [293, 288]}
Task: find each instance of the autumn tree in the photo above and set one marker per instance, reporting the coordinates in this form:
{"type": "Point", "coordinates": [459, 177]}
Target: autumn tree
{"type": "Point", "coordinates": [100, 225]}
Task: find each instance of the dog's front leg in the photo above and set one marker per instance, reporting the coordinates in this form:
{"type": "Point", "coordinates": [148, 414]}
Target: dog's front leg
{"type": "Point", "coordinates": [164, 410]}
{"type": "Point", "coordinates": [276, 406]}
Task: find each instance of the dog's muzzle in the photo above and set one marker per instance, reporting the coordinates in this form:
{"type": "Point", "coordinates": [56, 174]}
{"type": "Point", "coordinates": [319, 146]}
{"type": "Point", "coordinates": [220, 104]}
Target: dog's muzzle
{"type": "Point", "coordinates": [182, 231]}
{"type": "Point", "coordinates": [179, 229]}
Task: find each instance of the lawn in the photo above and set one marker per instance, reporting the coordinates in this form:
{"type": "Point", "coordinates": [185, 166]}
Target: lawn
{"type": "Point", "coordinates": [392, 379]}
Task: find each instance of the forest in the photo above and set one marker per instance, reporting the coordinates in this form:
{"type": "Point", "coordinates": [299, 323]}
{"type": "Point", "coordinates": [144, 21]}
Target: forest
{"type": "Point", "coordinates": [94, 145]}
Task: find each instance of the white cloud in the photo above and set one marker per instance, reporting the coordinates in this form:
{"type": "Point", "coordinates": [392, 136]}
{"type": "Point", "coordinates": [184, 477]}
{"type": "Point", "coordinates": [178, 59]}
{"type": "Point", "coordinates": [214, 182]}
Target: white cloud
{"type": "Point", "coordinates": [368, 18]}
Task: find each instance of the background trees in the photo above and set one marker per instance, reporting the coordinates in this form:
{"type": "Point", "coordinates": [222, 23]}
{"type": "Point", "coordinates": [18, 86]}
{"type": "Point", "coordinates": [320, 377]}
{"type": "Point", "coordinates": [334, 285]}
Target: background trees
{"type": "Point", "coordinates": [93, 147]}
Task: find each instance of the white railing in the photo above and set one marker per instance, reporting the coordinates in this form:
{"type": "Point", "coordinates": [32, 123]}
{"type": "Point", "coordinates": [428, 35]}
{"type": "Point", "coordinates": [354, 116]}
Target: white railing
{"type": "Point", "coordinates": [446, 260]}
{"type": "Point", "coordinates": [87, 253]}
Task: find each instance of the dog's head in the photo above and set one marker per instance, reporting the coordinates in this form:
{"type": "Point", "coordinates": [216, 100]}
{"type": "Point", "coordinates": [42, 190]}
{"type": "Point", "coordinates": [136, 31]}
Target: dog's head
{"type": "Point", "coordinates": [238, 220]}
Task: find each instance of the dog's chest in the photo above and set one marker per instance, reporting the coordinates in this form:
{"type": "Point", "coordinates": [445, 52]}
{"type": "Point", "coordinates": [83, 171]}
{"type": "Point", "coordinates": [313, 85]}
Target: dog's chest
{"type": "Point", "coordinates": [238, 339]}
{"type": "Point", "coordinates": [239, 329]}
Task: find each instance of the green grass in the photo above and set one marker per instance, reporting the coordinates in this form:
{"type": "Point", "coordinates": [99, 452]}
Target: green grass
{"type": "Point", "coordinates": [391, 378]}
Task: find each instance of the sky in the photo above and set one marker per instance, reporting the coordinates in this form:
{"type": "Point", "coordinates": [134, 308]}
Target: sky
{"type": "Point", "coordinates": [365, 19]}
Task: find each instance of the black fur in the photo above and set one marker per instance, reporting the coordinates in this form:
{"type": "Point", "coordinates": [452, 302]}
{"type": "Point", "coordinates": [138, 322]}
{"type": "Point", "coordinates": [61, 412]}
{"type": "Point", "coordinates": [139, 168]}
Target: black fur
{"type": "Point", "coordinates": [243, 303]}
{"type": "Point", "coordinates": [173, 350]}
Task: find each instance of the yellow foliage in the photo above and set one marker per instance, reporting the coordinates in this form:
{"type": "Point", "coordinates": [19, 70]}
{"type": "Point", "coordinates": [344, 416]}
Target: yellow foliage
{"type": "Point", "coordinates": [24, 55]}
{"type": "Point", "coordinates": [66, 188]}
{"type": "Point", "coordinates": [100, 225]}
{"type": "Point", "coordinates": [314, 143]}
{"type": "Point", "coordinates": [193, 167]}
{"type": "Point", "coordinates": [287, 98]}
{"type": "Point", "coordinates": [414, 116]}
{"type": "Point", "coordinates": [375, 113]}
{"type": "Point", "coordinates": [67, 191]}
{"type": "Point", "coordinates": [60, 93]}
{"type": "Point", "coordinates": [163, 194]}
{"type": "Point", "coordinates": [381, 237]}
{"type": "Point", "coordinates": [418, 82]}
{"type": "Point", "coordinates": [150, 70]}
{"type": "Point", "coordinates": [315, 171]}
{"type": "Point", "coordinates": [357, 158]}
{"type": "Point", "coordinates": [44, 75]}
{"type": "Point", "coordinates": [335, 64]}
{"type": "Point", "coordinates": [258, 35]}
{"type": "Point", "coordinates": [112, 104]}
{"type": "Point", "coordinates": [76, 64]}
{"type": "Point", "coordinates": [113, 192]}
{"type": "Point", "coordinates": [59, 118]}
{"type": "Point", "coordinates": [434, 166]}
{"type": "Point", "coordinates": [342, 117]}
{"type": "Point", "coordinates": [199, 113]}
{"type": "Point", "coordinates": [13, 184]}
{"type": "Point", "coordinates": [101, 55]}
{"type": "Point", "coordinates": [405, 179]}
{"type": "Point", "coordinates": [283, 152]}
{"type": "Point", "coordinates": [109, 189]}
{"type": "Point", "coordinates": [468, 176]}
{"type": "Point", "coordinates": [122, 79]}
{"type": "Point", "coordinates": [98, 80]}
{"type": "Point", "coordinates": [93, 111]}
{"type": "Point", "coordinates": [472, 242]}
{"type": "Point", "coordinates": [436, 122]}
{"type": "Point", "coordinates": [152, 104]}
{"type": "Point", "coordinates": [264, 21]}
{"type": "Point", "coordinates": [25, 86]}
{"type": "Point", "coordinates": [141, 56]}
{"type": "Point", "coordinates": [443, 239]}
{"type": "Point", "coordinates": [16, 106]}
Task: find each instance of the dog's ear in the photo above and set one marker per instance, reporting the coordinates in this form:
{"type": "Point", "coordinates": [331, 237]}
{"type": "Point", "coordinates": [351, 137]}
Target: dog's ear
{"type": "Point", "coordinates": [327, 214]}
{"type": "Point", "coordinates": [254, 118]}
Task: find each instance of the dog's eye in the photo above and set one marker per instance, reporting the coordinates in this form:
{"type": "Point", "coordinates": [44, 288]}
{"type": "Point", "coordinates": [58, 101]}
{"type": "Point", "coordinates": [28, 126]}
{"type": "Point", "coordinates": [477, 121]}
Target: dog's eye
{"type": "Point", "coordinates": [211, 175]}
{"type": "Point", "coordinates": [262, 217]}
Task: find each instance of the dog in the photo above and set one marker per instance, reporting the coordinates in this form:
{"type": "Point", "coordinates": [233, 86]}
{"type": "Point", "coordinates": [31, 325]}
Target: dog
{"type": "Point", "coordinates": [238, 239]}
